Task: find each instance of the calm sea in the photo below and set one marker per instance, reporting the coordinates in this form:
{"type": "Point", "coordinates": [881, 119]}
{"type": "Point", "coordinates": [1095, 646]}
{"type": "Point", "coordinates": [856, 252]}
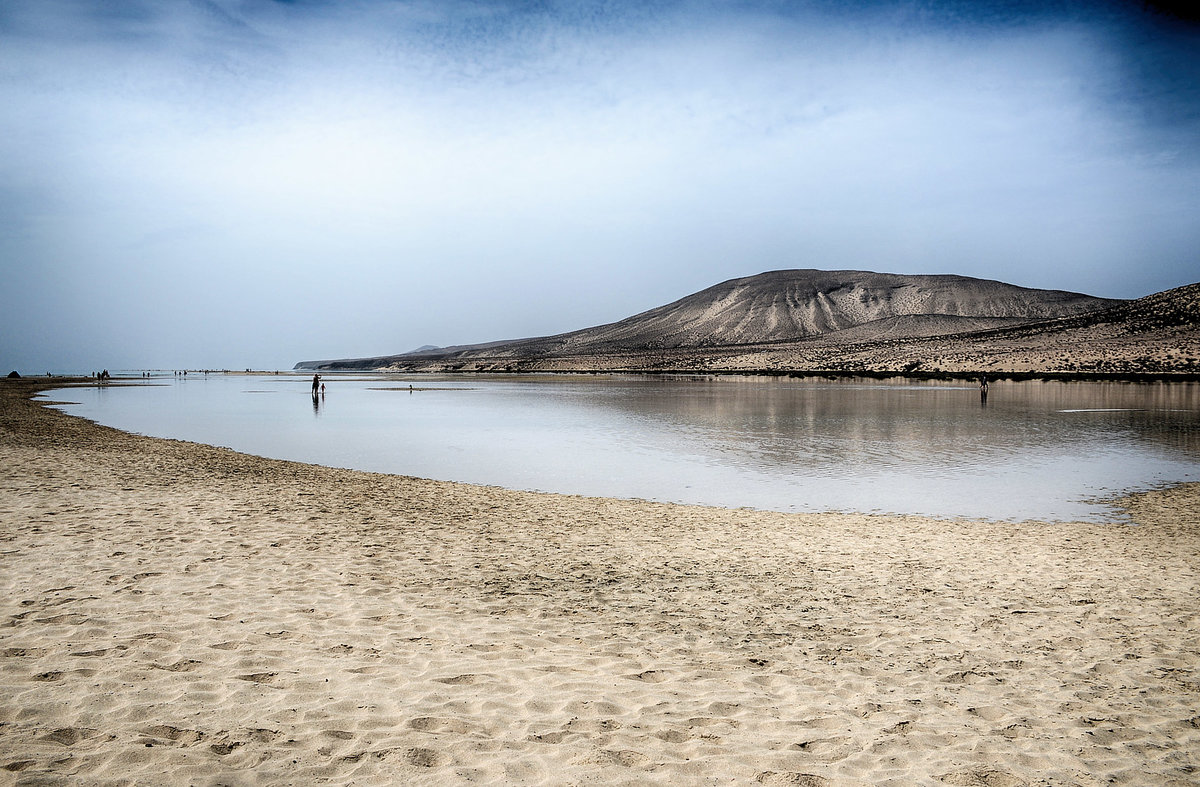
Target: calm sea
{"type": "Point", "coordinates": [1033, 450]}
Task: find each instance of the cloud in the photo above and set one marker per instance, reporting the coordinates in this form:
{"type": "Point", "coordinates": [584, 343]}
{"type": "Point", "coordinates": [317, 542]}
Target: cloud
{"type": "Point", "coordinates": [317, 178]}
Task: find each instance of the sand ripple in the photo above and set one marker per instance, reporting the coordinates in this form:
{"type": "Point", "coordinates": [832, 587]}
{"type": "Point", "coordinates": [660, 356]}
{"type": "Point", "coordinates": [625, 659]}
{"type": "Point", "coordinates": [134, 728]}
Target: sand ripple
{"type": "Point", "coordinates": [180, 613]}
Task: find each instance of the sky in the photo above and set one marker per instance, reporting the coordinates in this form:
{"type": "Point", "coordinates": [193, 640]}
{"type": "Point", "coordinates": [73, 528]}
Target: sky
{"type": "Point", "coordinates": [250, 183]}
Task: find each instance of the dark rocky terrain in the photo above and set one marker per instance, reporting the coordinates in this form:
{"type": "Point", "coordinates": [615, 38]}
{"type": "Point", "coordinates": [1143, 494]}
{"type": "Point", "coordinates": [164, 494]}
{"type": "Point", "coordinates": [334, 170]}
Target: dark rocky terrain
{"type": "Point", "coordinates": [855, 321]}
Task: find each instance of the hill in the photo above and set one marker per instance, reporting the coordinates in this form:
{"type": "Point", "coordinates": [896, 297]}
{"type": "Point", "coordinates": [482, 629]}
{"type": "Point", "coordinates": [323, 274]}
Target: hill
{"type": "Point", "coordinates": [775, 309]}
{"type": "Point", "coordinates": [1155, 335]}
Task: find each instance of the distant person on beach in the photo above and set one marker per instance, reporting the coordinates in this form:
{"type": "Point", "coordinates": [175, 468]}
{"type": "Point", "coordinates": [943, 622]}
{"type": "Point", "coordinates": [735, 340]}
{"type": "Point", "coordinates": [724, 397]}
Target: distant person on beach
{"type": "Point", "coordinates": [983, 388]}
{"type": "Point", "coordinates": [316, 383]}
{"type": "Point", "coordinates": [322, 389]}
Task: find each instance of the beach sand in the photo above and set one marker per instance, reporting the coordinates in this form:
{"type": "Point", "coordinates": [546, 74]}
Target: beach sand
{"type": "Point", "coordinates": [174, 613]}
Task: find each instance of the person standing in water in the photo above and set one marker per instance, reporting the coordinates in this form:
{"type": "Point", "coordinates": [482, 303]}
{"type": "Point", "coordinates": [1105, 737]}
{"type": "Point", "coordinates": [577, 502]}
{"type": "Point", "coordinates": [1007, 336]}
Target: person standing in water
{"type": "Point", "coordinates": [316, 384]}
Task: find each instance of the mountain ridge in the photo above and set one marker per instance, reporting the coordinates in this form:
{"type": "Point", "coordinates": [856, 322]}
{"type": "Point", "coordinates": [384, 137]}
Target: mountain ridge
{"type": "Point", "coordinates": [846, 322]}
{"type": "Point", "coordinates": [796, 304]}
{"type": "Point", "coordinates": [774, 307]}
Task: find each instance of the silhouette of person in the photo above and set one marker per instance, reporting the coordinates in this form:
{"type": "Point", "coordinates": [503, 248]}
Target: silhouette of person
{"type": "Point", "coordinates": [316, 384]}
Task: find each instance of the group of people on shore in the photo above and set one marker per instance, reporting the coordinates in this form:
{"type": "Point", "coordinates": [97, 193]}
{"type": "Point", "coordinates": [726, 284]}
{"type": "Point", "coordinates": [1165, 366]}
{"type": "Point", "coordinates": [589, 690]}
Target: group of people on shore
{"type": "Point", "coordinates": [318, 387]}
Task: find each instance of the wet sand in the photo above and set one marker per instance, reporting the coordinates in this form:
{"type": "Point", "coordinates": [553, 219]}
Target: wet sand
{"type": "Point", "coordinates": [177, 613]}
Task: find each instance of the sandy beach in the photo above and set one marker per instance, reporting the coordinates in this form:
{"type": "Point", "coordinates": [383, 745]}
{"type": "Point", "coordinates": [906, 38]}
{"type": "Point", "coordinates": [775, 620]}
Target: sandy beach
{"type": "Point", "coordinates": [174, 613]}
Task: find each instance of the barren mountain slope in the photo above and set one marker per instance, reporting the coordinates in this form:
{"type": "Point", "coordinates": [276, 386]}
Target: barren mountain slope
{"type": "Point", "coordinates": [784, 306]}
{"type": "Point", "coordinates": [1157, 334]}
{"type": "Point", "coordinates": [794, 304]}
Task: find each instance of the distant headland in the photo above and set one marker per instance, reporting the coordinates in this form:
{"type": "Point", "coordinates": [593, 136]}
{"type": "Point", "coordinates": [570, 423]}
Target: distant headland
{"type": "Point", "coordinates": [855, 322]}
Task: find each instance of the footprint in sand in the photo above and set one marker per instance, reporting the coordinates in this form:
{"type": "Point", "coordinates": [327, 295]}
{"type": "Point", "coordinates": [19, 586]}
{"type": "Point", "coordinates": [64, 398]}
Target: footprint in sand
{"type": "Point", "coordinates": [458, 680]}
{"type": "Point", "coordinates": [434, 724]}
{"type": "Point", "coordinates": [174, 734]}
{"type": "Point", "coordinates": [708, 721]}
{"type": "Point", "coordinates": [427, 758]}
{"type": "Point", "coordinates": [183, 665]}
{"type": "Point", "coordinates": [626, 758]}
{"type": "Point", "coordinates": [989, 712]}
{"type": "Point", "coordinates": [69, 736]}
{"type": "Point", "coordinates": [257, 735]}
{"type": "Point", "coordinates": [900, 728]}
{"type": "Point", "coordinates": [1018, 730]}
{"type": "Point", "coordinates": [967, 676]}
{"type": "Point", "coordinates": [982, 778]}
{"type": "Point", "coordinates": [18, 765]}
{"type": "Point", "coordinates": [259, 677]}
{"type": "Point", "coordinates": [549, 737]}
{"type": "Point", "coordinates": [70, 619]}
{"type": "Point", "coordinates": [792, 779]}
{"type": "Point", "coordinates": [593, 725]}
{"type": "Point", "coordinates": [827, 749]}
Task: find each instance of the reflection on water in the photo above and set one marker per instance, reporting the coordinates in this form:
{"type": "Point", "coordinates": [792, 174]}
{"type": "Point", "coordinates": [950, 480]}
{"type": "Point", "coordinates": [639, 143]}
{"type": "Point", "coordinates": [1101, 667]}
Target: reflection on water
{"type": "Point", "coordinates": [1031, 450]}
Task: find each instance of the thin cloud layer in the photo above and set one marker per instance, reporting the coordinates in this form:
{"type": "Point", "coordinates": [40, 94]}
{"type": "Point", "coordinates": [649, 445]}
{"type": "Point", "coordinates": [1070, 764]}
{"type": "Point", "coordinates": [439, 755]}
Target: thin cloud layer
{"type": "Point", "coordinates": [243, 183]}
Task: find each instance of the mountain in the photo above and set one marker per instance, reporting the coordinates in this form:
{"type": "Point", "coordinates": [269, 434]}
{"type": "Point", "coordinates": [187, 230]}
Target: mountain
{"type": "Point", "coordinates": [771, 309]}
{"type": "Point", "coordinates": [796, 304]}
{"type": "Point", "coordinates": [1155, 335]}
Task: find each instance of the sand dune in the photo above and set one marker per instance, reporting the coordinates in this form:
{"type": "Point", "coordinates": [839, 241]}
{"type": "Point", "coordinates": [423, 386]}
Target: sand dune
{"type": "Point", "coordinates": [175, 613]}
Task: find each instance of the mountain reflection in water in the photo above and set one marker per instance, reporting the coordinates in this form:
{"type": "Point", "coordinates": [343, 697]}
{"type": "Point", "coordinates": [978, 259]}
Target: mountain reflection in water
{"type": "Point", "coordinates": [1031, 450]}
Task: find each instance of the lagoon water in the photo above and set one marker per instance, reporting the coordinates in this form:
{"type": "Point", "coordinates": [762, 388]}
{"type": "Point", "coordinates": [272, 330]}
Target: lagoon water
{"type": "Point", "coordinates": [1034, 450]}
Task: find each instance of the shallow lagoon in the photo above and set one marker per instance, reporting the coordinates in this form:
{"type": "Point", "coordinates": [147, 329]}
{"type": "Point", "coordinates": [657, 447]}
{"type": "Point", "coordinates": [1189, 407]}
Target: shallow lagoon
{"type": "Point", "coordinates": [1034, 450]}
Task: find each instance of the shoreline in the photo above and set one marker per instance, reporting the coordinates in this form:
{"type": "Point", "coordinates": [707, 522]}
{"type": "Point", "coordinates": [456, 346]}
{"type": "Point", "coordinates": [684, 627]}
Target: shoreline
{"type": "Point", "coordinates": [825, 374]}
{"type": "Point", "coordinates": [175, 610]}
{"type": "Point", "coordinates": [801, 374]}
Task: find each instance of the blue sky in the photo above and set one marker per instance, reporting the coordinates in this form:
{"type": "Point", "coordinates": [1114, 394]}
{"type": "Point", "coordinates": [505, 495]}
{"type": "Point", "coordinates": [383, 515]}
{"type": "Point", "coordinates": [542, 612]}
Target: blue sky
{"type": "Point", "coordinates": [249, 183]}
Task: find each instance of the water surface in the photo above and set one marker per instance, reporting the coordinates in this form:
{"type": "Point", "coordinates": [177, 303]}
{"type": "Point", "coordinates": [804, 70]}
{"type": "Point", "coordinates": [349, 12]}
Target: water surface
{"type": "Point", "coordinates": [1040, 450]}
